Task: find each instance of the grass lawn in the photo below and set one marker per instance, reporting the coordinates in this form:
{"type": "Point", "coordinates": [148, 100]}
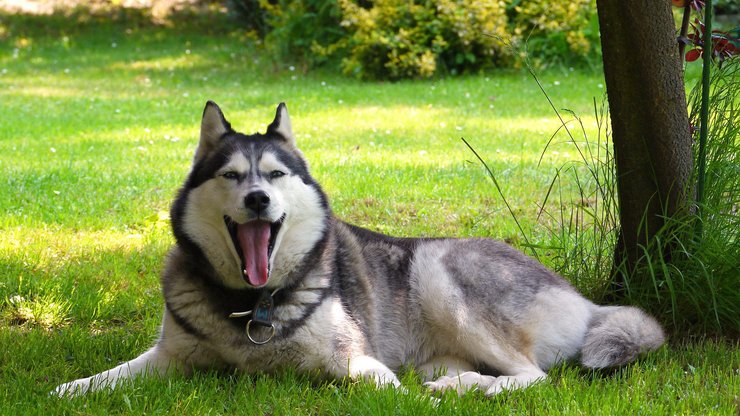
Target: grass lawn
{"type": "Point", "coordinates": [99, 124]}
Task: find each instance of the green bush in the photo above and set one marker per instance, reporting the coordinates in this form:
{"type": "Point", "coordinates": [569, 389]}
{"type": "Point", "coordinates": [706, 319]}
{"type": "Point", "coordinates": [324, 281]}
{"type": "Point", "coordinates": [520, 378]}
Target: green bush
{"type": "Point", "coordinates": [555, 32]}
{"type": "Point", "coordinates": [250, 14]}
{"type": "Point", "coordinates": [726, 7]}
{"type": "Point", "coordinates": [393, 39]}
{"type": "Point", "coordinates": [304, 32]}
{"type": "Point", "coordinates": [401, 39]}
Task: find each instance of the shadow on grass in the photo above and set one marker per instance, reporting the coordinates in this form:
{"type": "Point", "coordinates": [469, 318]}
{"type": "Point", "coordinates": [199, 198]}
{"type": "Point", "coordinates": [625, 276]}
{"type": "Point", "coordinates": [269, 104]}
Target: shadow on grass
{"type": "Point", "coordinates": [90, 42]}
{"type": "Point", "coordinates": [98, 289]}
{"type": "Point", "coordinates": [84, 20]}
{"type": "Point", "coordinates": [125, 49]}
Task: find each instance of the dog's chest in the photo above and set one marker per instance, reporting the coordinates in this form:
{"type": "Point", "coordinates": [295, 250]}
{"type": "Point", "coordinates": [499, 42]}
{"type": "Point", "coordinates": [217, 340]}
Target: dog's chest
{"type": "Point", "coordinates": [303, 348]}
{"type": "Point", "coordinates": [292, 331]}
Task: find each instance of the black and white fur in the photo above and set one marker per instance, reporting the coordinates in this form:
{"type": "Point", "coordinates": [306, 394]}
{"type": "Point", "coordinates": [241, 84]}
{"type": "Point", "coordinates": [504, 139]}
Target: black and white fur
{"type": "Point", "coordinates": [352, 302]}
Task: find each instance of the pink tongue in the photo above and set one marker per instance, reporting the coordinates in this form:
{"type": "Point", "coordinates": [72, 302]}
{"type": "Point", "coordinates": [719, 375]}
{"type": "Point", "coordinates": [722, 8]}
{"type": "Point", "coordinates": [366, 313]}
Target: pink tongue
{"type": "Point", "coordinates": [254, 237]}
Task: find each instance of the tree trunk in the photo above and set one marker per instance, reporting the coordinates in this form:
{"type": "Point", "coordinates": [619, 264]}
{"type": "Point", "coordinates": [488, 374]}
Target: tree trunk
{"type": "Point", "coordinates": [650, 124]}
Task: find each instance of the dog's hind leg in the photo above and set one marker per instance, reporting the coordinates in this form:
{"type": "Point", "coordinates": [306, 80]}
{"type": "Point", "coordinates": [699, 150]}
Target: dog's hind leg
{"type": "Point", "coordinates": [523, 378]}
{"type": "Point", "coordinates": [445, 365]}
{"type": "Point", "coordinates": [518, 368]}
{"type": "Point", "coordinates": [461, 382]}
{"type": "Point", "coordinates": [448, 372]}
{"type": "Point", "coordinates": [518, 372]}
{"type": "Point", "coordinates": [509, 351]}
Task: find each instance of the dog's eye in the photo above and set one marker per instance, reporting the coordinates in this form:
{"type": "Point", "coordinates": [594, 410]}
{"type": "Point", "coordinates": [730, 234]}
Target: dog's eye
{"type": "Point", "coordinates": [230, 175]}
{"type": "Point", "coordinates": [276, 174]}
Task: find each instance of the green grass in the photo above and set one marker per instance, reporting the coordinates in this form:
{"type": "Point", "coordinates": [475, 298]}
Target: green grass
{"type": "Point", "coordinates": [99, 124]}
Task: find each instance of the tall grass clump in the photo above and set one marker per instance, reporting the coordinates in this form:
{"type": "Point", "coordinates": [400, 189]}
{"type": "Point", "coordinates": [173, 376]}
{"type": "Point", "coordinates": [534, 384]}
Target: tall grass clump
{"type": "Point", "coordinates": [697, 291]}
{"type": "Point", "coordinates": [694, 290]}
{"type": "Point", "coordinates": [580, 205]}
{"type": "Point", "coordinates": [579, 208]}
{"type": "Point", "coordinates": [584, 223]}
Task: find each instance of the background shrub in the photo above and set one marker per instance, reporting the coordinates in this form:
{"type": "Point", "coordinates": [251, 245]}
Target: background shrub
{"type": "Point", "coordinates": [250, 14]}
{"type": "Point", "coordinates": [399, 39]}
{"type": "Point", "coordinates": [305, 32]}
{"type": "Point", "coordinates": [726, 7]}
{"type": "Point", "coordinates": [556, 32]}
{"type": "Point", "coordinates": [302, 32]}
{"type": "Point", "coordinates": [393, 39]}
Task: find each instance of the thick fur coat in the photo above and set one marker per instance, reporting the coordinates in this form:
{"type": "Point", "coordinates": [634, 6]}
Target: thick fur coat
{"type": "Point", "coordinates": [264, 276]}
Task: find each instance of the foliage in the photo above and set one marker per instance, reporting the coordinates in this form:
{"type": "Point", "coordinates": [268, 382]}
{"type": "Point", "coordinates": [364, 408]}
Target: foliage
{"type": "Point", "coordinates": [727, 7]}
{"type": "Point", "coordinates": [723, 44]}
{"type": "Point", "coordinates": [691, 285]}
{"type": "Point", "coordinates": [251, 14]}
{"type": "Point", "coordinates": [694, 4]}
{"type": "Point", "coordinates": [586, 220]}
{"type": "Point", "coordinates": [556, 32]}
{"type": "Point", "coordinates": [405, 39]}
{"type": "Point", "coordinates": [695, 275]}
{"type": "Point", "coordinates": [688, 281]}
{"type": "Point", "coordinates": [715, 257]}
{"type": "Point", "coordinates": [305, 32]}
{"type": "Point", "coordinates": [394, 39]}
{"type": "Point", "coordinates": [579, 208]}
{"type": "Point", "coordinates": [692, 282]}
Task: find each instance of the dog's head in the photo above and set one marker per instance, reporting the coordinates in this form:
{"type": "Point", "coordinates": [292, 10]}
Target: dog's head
{"type": "Point", "coordinates": [249, 204]}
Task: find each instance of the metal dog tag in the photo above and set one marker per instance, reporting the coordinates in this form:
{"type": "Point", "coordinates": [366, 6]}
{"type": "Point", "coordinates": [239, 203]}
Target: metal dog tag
{"type": "Point", "coordinates": [261, 315]}
{"type": "Point", "coordinates": [262, 312]}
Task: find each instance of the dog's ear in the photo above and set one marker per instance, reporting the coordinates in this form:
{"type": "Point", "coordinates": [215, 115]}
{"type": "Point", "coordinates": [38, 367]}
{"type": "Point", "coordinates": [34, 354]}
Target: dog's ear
{"type": "Point", "coordinates": [213, 126]}
{"type": "Point", "coordinates": [281, 125]}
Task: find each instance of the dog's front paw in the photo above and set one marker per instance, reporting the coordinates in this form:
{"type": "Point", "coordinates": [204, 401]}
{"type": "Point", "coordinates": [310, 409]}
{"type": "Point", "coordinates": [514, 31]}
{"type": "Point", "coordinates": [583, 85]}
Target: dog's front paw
{"type": "Point", "coordinates": [72, 389]}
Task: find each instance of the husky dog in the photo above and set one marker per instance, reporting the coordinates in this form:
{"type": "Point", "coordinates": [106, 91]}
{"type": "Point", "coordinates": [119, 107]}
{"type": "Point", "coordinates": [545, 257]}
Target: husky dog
{"type": "Point", "coordinates": [263, 276]}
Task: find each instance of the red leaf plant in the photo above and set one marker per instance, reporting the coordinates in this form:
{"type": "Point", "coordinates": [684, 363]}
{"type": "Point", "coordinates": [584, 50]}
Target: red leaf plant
{"type": "Point", "coordinates": [724, 46]}
{"type": "Point", "coordinates": [695, 4]}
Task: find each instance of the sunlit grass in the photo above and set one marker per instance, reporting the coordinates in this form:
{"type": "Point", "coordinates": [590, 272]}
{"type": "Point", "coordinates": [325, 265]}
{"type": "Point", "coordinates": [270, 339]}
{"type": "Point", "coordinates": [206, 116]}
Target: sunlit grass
{"type": "Point", "coordinates": [45, 312]}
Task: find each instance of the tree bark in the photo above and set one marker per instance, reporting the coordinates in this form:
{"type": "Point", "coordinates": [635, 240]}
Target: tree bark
{"type": "Point", "coordinates": [650, 124]}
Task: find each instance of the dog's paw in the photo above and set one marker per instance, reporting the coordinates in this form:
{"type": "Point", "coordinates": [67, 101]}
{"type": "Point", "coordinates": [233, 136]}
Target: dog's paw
{"type": "Point", "coordinates": [469, 380]}
{"type": "Point", "coordinates": [430, 399]}
{"type": "Point", "coordinates": [72, 389]}
{"type": "Point", "coordinates": [496, 388]}
{"type": "Point", "coordinates": [441, 384]}
{"type": "Point", "coordinates": [521, 381]}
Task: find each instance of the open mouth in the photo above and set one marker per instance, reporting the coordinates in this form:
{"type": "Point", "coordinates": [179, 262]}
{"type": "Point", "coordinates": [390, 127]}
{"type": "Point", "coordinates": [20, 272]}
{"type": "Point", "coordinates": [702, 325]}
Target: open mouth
{"type": "Point", "coordinates": [254, 241]}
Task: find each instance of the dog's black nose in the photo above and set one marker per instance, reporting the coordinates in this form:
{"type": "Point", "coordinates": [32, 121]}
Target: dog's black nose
{"type": "Point", "coordinates": [257, 201]}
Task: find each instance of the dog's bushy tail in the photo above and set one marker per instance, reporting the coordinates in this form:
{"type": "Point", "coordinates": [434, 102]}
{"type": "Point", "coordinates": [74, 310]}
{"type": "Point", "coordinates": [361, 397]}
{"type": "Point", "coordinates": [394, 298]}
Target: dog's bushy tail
{"type": "Point", "coordinates": [617, 335]}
